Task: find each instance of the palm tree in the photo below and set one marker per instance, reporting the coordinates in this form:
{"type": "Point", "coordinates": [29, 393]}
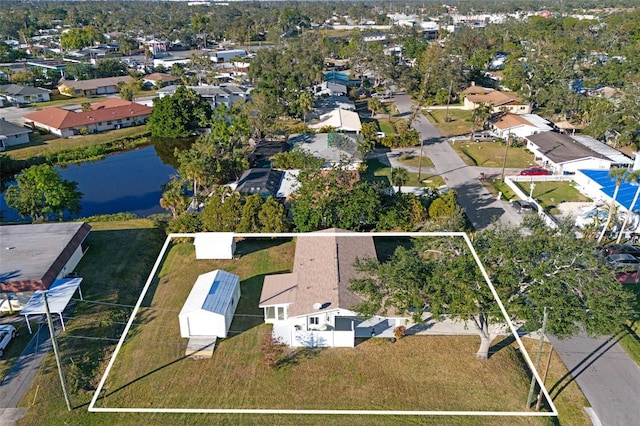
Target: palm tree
{"type": "Point", "coordinates": [375, 106]}
{"type": "Point", "coordinates": [173, 196]}
{"type": "Point", "coordinates": [619, 175]}
{"type": "Point", "coordinates": [480, 115]}
{"type": "Point", "coordinates": [306, 104]}
{"type": "Point", "coordinates": [633, 178]}
{"type": "Point", "coordinates": [399, 177]}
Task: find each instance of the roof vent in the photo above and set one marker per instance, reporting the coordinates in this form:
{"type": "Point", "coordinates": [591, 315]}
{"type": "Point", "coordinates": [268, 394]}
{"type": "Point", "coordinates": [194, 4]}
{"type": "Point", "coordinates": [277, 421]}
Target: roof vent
{"type": "Point", "coordinates": [317, 306]}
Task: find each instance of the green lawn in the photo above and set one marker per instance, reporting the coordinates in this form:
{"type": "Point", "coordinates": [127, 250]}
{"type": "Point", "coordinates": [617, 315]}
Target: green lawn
{"type": "Point", "coordinates": [42, 145]}
{"type": "Point", "coordinates": [151, 370]}
{"type": "Point", "coordinates": [549, 194]}
{"type": "Point", "coordinates": [412, 160]}
{"type": "Point", "coordinates": [458, 123]}
{"type": "Point", "coordinates": [491, 154]}
{"type": "Point", "coordinates": [376, 171]}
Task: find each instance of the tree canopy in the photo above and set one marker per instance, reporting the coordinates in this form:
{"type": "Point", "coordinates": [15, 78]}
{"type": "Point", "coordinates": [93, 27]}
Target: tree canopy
{"type": "Point", "coordinates": [530, 271]}
{"type": "Point", "coordinates": [178, 115]}
{"type": "Point", "coordinates": [42, 194]}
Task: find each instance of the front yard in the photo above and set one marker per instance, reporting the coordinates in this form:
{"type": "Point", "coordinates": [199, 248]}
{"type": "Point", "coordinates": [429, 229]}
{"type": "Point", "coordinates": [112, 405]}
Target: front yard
{"type": "Point", "coordinates": [455, 122]}
{"type": "Point", "coordinates": [491, 154]}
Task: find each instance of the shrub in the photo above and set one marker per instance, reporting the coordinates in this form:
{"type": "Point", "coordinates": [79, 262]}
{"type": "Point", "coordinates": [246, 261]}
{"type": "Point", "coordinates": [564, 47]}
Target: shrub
{"type": "Point", "coordinates": [399, 332]}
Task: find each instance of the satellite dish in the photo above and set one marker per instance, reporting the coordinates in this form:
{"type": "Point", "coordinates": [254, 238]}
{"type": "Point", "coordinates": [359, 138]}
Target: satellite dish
{"type": "Point", "coordinates": [317, 306]}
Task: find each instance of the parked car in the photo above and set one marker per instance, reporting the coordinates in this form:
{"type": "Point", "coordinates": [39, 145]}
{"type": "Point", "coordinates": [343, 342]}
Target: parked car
{"type": "Point", "coordinates": [523, 206]}
{"type": "Point", "coordinates": [484, 136]}
{"type": "Point", "coordinates": [535, 171]}
{"type": "Point", "coordinates": [382, 95]}
{"type": "Point", "coordinates": [621, 249]}
{"type": "Point", "coordinates": [7, 332]}
{"type": "Point", "coordinates": [623, 261]}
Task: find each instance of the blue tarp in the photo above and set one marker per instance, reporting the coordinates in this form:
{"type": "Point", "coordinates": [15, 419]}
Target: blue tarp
{"type": "Point", "coordinates": [625, 194]}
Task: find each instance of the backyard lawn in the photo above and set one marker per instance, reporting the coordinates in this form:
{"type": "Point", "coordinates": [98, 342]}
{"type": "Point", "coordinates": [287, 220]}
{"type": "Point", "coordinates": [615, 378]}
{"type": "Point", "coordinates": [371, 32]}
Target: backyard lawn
{"type": "Point", "coordinates": [42, 145]}
{"type": "Point", "coordinates": [415, 373]}
{"type": "Point", "coordinates": [491, 154]}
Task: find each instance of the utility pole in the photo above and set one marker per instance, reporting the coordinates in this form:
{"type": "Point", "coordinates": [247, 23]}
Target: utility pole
{"type": "Point", "coordinates": [446, 115]}
{"type": "Point", "coordinates": [506, 149]}
{"type": "Point", "coordinates": [538, 355]}
{"type": "Point", "coordinates": [54, 342]}
{"type": "Point", "coordinates": [544, 379]}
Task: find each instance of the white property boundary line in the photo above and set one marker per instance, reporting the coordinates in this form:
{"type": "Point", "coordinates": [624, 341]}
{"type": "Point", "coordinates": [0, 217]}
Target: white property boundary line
{"type": "Point", "coordinates": [552, 413]}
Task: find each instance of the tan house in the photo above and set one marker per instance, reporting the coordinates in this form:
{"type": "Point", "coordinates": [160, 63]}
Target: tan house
{"type": "Point", "coordinates": [160, 80]}
{"type": "Point", "coordinates": [312, 306]}
{"type": "Point", "coordinates": [95, 87]}
{"type": "Point", "coordinates": [474, 96]}
{"type": "Point", "coordinates": [107, 115]}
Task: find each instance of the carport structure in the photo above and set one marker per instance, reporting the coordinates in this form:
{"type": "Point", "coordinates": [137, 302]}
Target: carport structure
{"type": "Point", "coordinates": [58, 297]}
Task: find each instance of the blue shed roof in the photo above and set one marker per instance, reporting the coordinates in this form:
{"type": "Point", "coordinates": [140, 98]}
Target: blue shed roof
{"type": "Point", "coordinates": [212, 292]}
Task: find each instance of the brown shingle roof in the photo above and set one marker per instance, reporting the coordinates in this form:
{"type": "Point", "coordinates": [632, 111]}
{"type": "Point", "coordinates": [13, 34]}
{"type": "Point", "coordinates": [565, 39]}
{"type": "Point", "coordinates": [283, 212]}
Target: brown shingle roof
{"type": "Point", "coordinates": [323, 267]}
{"type": "Point", "coordinates": [96, 83]}
{"type": "Point", "coordinates": [494, 98]}
{"type": "Point", "coordinates": [59, 118]}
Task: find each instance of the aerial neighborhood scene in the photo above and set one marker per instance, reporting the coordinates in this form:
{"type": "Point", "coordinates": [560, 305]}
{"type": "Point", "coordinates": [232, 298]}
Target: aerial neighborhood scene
{"type": "Point", "coordinates": [320, 212]}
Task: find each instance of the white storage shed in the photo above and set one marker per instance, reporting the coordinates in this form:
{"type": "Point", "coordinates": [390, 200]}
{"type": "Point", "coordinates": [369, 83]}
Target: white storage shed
{"type": "Point", "coordinates": [214, 245]}
{"type": "Point", "coordinates": [209, 309]}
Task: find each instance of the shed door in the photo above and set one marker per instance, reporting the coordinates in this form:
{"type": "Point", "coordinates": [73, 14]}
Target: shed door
{"type": "Point", "coordinates": [199, 326]}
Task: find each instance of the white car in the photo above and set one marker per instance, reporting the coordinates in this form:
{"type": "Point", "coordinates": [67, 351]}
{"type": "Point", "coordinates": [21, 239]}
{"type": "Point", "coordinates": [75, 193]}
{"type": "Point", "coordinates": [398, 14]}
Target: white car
{"type": "Point", "coordinates": [7, 332]}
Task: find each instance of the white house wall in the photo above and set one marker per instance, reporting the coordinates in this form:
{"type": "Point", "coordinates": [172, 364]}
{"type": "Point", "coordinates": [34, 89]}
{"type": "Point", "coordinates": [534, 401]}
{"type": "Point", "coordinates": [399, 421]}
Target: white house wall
{"type": "Point", "coordinates": [71, 263]}
{"type": "Point", "coordinates": [13, 140]}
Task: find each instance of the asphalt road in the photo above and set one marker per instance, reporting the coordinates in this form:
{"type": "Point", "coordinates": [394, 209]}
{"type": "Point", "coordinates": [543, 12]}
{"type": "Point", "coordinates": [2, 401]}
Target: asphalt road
{"type": "Point", "coordinates": [16, 383]}
{"type": "Point", "coordinates": [608, 377]}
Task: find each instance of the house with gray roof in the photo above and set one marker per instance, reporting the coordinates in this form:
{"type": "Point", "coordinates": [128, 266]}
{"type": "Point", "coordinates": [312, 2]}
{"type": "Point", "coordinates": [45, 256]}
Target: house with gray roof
{"type": "Point", "coordinates": [334, 148]}
{"type": "Point", "coordinates": [23, 95]}
{"type": "Point", "coordinates": [566, 154]}
{"type": "Point", "coordinates": [224, 94]}
{"type": "Point", "coordinates": [34, 256]}
{"type": "Point", "coordinates": [312, 305]}
{"type": "Point", "coordinates": [11, 134]}
{"type": "Point", "coordinates": [265, 182]}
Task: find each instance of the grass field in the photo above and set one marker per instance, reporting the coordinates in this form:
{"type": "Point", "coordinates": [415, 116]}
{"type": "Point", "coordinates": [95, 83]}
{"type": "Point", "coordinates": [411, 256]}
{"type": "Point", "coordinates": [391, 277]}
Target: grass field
{"type": "Point", "coordinates": [491, 154]}
{"type": "Point", "coordinates": [421, 372]}
{"type": "Point", "coordinates": [630, 340]}
{"type": "Point", "coordinates": [459, 121]}
{"type": "Point", "coordinates": [49, 144]}
{"type": "Point", "coordinates": [376, 171]}
{"type": "Point", "coordinates": [549, 194]}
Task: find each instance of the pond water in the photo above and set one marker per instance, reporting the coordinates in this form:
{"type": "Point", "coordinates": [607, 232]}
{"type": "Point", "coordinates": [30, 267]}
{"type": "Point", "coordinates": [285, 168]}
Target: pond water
{"type": "Point", "coordinates": [125, 182]}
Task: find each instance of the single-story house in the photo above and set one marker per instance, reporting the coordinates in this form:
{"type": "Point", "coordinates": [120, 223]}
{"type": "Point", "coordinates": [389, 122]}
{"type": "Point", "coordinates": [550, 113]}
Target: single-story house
{"type": "Point", "coordinates": [474, 96]}
{"type": "Point", "coordinates": [313, 306]}
{"type": "Point", "coordinates": [95, 87]}
{"type": "Point", "coordinates": [265, 182]}
{"type": "Point", "coordinates": [209, 309]}
{"type": "Point", "coordinates": [263, 151]}
{"type": "Point", "coordinates": [107, 115]}
{"type": "Point", "coordinates": [568, 154]}
{"type": "Point", "coordinates": [225, 94]}
{"type": "Point", "coordinates": [341, 120]}
{"type": "Point", "coordinates": [34, 256]}
{"type": "Point", "coordinates": [333, 148]}
{"type": "Point", "coordinates": [214, 245]}
{"type": "Point", "coordinates": [11, 134]}
{"type": "Point", "coordinates": [329, 88]}
{"type": "Point", "coordinates": [157, 77]}
{"type": "Point", "coordinates": [22, 95]}
{"type": "Point", "coordinates": [325, 104]}
{"type": "Point", "coordinates": [228, 55]}
{"type": "Point", "coordinates": [518, 125]}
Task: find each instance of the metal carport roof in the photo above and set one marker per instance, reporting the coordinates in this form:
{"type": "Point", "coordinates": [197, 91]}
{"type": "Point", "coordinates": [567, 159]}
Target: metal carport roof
{"type": "Point", "coordinates": [58, 297]}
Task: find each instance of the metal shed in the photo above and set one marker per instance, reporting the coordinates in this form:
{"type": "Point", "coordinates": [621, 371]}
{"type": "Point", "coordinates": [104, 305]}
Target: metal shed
{"type": "Point", "coordinates": [209, 309]}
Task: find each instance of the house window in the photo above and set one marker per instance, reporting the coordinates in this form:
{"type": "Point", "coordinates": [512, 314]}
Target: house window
{"type": "Point", "coordinates": [281, 313]}
{"type": "Point", "coordinates": [314, 320]}
{"type": "Point", "coordinates": [270, 312]}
